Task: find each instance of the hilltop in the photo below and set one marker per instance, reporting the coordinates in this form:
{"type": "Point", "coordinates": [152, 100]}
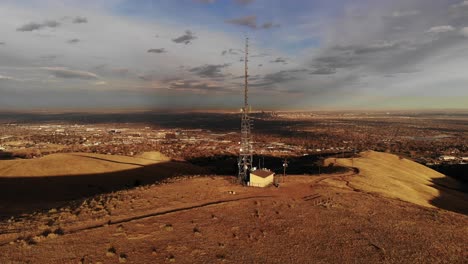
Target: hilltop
{"type": "Point", "coordinates": [335, 218]}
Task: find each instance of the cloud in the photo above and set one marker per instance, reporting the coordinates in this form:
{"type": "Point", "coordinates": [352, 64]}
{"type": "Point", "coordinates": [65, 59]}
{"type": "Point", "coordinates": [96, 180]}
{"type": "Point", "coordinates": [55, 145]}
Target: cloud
{"type": "Point", "coordinates": [161, 50]}
{"type": "Point", "coordinates": [80, 20]}
{"type": "Point", "coordinates": [406, 13]}
{"type": "Point", "coordinates": [49, 57]}
{"type": "Point", "coordinates": [205, 1]}
{"type": "Point", "coordinates": [251, 22]}
{"type": "Point", "coordinates": [100, 83]}
{"type": "Point", "coordinates": [274, 79]}
{"type": "Point", "coordinates": [120, 71]}
{"type": "Point", "coordinates": [464, 31]}
{"type": "Point", "coordinates": [462, 4]}
{"type": "Point", "coordinates": [51, 23]}
{"type": "Point", "coordinates": [73, 41]}
{"type": "Point", "coordinates": [247, 21]}
{"type": "Point", "coordinates": [186, 38]}
{"type": "Point", "coordinates": [196, 86]}
{"type": "Point", "coordinates": [231, 52]}
{"type": "Point", "coordinates": [440, 29]}
{"type": "Point", "coordinates": [2, 43]}
{"type": "Point", "coordinates": [209, 70]}
{"type": "Point", "coordinates": [30, 27]}
{"type": "Point", "coordinates": [279, 77]}
{"type": "Point", "coordinates": [260, 55]}
{"type": "Point", "coordinates": [66, 73]}
{"type": "Point", "coordinates": [377, 47]}
{"type": "Point", "coordinates": [335, 61]}
{"type": "Point", "coordinates": [36, 26]}
{"type": "Point", "coordinates": [6, 78]}
{"type": "Point", "coordinates": [269, 25]}
{"type": "Point", "coordinates": [371, 48]}
{"type": "Point", "coordinates": [279, 60]}
{"type": "Point", "coordinates": [323, 71]}
{"type": "Point", "coordinates": [243, 2]}
{"type": "Point", "coordinates": [145, 77]}
{"type": "Point", "coordinates": [352, 56]}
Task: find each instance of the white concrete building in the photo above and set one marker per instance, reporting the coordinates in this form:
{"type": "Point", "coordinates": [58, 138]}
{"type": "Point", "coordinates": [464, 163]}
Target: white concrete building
{"type": "Point", "coordinates": [261, 178]}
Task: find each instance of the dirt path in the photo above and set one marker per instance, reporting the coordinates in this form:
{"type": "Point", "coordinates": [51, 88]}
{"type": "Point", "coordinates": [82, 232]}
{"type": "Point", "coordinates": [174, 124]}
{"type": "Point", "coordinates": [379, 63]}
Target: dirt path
{"type": "Point", "coordinates": [7, 233]}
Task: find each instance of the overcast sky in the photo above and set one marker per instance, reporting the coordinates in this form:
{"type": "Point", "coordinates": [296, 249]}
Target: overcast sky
{"type": "Point", "coordinates": [307, 54]}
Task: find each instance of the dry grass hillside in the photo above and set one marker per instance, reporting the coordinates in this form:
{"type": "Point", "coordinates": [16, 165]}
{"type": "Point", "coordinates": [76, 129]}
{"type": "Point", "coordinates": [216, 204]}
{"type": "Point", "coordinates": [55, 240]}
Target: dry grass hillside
{"type": "Point", "coordinates": [57, 178]}
{"type": "Point", "coordinates": [396, 177]}
{"type": "Point", "coordinates": [76, 163]}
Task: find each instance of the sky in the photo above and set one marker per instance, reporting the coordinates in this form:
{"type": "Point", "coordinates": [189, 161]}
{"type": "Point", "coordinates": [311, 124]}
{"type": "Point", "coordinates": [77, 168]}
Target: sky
{"type": "Point", "coordinates": [188, 54]}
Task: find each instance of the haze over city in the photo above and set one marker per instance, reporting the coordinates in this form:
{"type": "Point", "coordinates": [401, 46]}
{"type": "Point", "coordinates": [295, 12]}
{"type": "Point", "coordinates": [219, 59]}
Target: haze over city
{"type": "Point", "coordinates": [188, 54]}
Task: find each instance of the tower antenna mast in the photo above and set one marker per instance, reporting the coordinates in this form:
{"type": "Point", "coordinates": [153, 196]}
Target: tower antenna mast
{"type": "Point", "coordinates": [246, 74]}
{"type": "Point", "coordinates": [246, 149]}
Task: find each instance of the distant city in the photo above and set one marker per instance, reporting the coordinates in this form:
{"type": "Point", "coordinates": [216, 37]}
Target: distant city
{"type": "Point", "coordinates": [429, 138]}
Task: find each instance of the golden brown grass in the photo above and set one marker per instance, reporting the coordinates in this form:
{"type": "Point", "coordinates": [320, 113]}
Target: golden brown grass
{"type": "Point", "coordinates": [396, 177]}
{"type": "Point", "coordinates": [76, 164]}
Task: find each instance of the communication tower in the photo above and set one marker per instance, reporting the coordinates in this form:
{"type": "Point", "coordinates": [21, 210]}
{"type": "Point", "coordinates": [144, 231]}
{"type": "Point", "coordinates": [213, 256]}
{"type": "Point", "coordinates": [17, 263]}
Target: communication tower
{"type": "Point", "coordinates": [246, 147]}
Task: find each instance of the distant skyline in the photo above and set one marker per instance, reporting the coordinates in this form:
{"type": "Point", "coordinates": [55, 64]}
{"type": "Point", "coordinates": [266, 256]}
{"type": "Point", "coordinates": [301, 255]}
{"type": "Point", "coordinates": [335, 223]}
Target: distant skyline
{"type": "Point", "coordinates": [305, 54]}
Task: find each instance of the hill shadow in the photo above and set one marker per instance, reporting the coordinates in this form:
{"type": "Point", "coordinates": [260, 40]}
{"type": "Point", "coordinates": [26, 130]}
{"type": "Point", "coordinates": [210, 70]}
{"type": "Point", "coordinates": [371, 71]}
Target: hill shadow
{"type": "Point", "coordinates": [309, 164]}
{"type": "Point", "coordinates": [457, 171]}
{"type": "Point", "coordinates": [4, 155]}
{"type": "Point", "coordinates": [20, 195]}
{"type": "Point", "coordinates": [453, 195]}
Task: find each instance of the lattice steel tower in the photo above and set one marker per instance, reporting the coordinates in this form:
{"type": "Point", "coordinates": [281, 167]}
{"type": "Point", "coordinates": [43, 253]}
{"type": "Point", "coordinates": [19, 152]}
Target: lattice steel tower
{"type": "Point", "coordinates": [246, 149]}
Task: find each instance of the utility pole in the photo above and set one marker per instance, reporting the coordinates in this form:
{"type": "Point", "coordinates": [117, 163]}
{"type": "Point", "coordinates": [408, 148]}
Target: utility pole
{"type": "Point", "coordinates": [285, 165]}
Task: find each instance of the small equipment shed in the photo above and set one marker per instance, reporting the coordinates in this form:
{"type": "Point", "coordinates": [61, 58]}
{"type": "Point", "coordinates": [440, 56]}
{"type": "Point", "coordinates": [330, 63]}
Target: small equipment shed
{"type": "Point", "coordinates": [261, 178]}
